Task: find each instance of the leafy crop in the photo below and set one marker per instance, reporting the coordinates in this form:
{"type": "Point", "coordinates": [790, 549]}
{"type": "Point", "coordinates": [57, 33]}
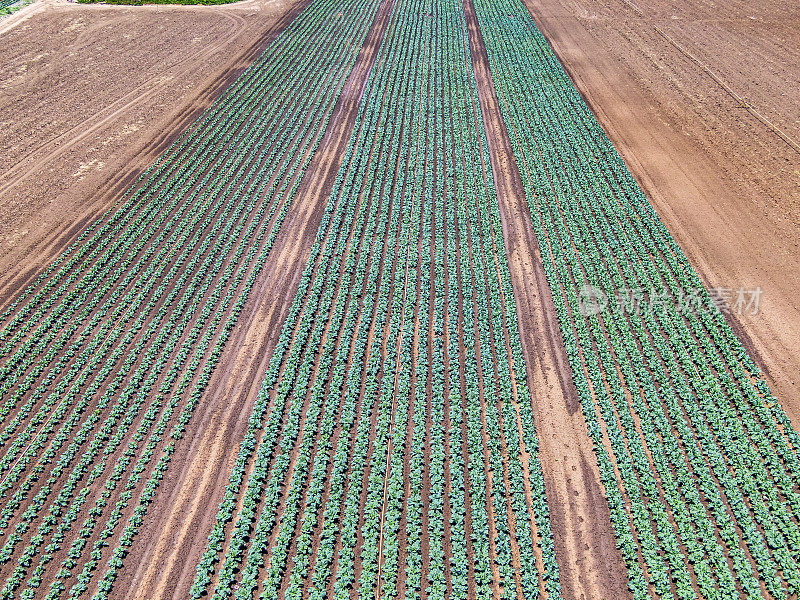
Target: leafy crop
{"type": "Point", "coordinates": [699, 462]}
{"type": "Point", "coordinates": [385, 450]}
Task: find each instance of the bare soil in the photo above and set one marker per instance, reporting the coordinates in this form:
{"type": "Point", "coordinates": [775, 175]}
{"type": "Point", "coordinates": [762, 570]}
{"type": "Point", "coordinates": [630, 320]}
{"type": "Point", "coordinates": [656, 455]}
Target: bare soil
{"type": "Point", "coordinates": [90, 95]}
{"type": "Point", "coordinates": [700, 99]}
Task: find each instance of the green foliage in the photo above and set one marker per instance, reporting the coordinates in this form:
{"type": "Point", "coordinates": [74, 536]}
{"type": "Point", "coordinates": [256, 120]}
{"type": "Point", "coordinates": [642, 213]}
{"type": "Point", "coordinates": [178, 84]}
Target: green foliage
{"type": "Point", "coordinates": [106, 355]}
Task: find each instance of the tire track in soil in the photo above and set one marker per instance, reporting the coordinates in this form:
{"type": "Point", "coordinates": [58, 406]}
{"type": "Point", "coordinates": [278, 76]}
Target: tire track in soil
{"type": "Point", "coordinates": [186, 510]}
{"type": "Point", "coordinates": [496, 355]}
{"type": "Point", "coordinates": [38, 157]}
{"type": "Point", "coordinates": [524, 456]}
{"type": "Point", "coordinates": [58, 145]}
{"type": "Point", "coordinates": [590, 564]}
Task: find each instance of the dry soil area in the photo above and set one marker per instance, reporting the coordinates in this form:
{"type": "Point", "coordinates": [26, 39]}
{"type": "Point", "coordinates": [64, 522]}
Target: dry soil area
{"type": "Point", "coordinates": [91, 94]}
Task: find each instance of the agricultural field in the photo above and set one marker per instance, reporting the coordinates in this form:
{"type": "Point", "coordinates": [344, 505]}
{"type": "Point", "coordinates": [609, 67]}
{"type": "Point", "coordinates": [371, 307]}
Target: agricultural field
{"type": "Point", "coordinates": [390, 318]}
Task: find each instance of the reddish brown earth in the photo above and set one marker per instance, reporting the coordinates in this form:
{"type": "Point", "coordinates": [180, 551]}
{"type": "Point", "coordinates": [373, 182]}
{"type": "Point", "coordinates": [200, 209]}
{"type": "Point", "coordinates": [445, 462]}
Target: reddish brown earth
{"type": "Point", "coordinates": [700, 99]}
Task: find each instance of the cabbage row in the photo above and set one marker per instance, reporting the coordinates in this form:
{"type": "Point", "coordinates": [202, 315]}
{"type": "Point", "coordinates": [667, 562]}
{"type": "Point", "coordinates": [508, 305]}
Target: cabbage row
{"type": "Point", "coordinates": [699, 462]}
{"type": "Point", "coordinates": [384, 453]}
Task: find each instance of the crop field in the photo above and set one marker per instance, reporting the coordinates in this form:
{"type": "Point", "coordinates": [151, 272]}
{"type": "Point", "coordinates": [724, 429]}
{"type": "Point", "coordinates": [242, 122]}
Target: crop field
{"type": "Point", "coordinates": [698, 459]}
{"type": "Point", "coordinates": [373, 176]}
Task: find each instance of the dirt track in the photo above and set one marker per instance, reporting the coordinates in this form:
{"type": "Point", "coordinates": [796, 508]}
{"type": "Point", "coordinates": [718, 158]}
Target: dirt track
{"type": "Point", "coordinates": [726, 185]}
{"type": "Point", "coordinates": [590, 564]}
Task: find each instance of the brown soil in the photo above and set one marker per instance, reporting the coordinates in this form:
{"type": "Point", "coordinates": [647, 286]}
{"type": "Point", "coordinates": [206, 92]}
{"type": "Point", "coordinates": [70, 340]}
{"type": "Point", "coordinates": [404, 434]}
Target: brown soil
{"type": "Point", "coordinates": [126, 86]}
{"type": "Point", "coordinates": [700, 100]}
{"type": "Point", "coordinates": [590, 565]}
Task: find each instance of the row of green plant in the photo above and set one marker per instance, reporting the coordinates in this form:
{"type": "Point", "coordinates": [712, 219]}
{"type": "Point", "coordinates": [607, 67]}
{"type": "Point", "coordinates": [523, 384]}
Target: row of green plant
{"type": "Point", "coordinates": [699, 462]}
{"type": "Point", "coordinates": [116, 341]}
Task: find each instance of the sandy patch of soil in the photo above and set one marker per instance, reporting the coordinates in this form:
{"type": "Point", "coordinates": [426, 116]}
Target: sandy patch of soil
{"type": "Point", "coordinates": [90, 95]}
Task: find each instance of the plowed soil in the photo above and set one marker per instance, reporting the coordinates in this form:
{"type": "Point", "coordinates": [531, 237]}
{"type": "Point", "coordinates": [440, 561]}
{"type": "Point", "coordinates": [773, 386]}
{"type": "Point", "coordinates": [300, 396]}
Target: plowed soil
{"type": "Point", "coordinates": [90, 95]}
